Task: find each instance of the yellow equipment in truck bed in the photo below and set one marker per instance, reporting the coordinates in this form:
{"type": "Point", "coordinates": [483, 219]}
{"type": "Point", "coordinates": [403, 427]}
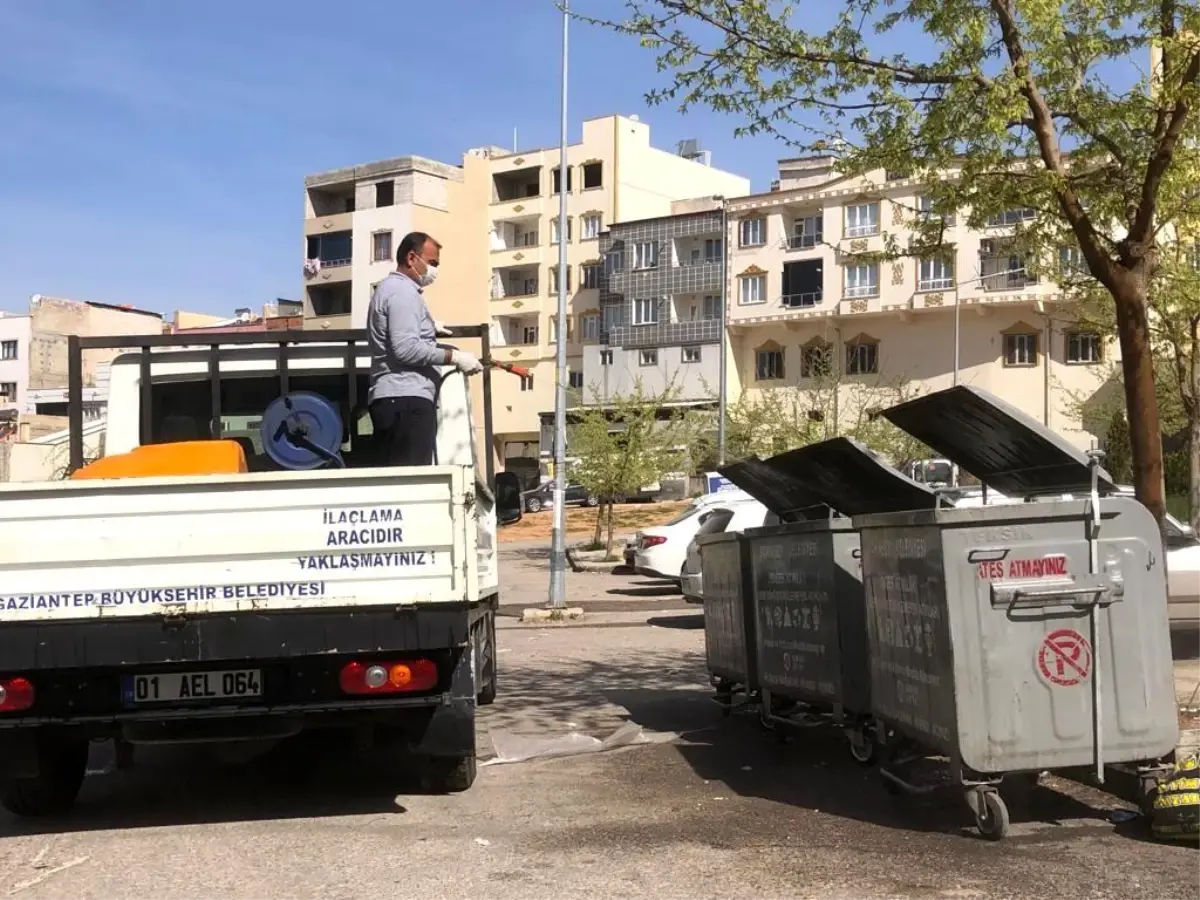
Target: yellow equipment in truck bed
{"type": "Point", "coordinates": [159, 460]}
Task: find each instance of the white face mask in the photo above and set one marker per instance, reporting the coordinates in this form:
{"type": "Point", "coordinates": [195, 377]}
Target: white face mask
{"type": "Point", "coordinates": [429, 276]}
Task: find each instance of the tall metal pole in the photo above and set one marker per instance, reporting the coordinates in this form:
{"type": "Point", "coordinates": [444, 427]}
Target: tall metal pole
{"type": "Point", "coordinates": [722, 390]}
{"type": "Point", "coordinates": [957, 307]}
{"type": "Point", "coordinates": [558, 540]}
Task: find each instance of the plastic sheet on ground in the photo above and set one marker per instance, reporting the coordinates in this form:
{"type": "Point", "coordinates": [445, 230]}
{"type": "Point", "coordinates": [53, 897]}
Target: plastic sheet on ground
{"type": "Point", "coordinates": [512, 748]}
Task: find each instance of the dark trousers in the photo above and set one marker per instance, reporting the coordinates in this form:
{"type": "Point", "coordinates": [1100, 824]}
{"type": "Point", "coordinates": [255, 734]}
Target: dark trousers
{"type": "Point", "coordinates": [405, 430]}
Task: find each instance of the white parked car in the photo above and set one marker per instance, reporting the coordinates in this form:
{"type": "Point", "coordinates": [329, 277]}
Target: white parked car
{"type": "Point", "coordinates": [735, 517]}
{"type": "Point", "coordinates": [661, 550]}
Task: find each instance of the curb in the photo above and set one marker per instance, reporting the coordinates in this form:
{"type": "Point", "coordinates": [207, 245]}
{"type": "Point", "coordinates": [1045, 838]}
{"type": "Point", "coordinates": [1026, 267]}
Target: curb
{"type": "Point", "coordinates": [541, 615]}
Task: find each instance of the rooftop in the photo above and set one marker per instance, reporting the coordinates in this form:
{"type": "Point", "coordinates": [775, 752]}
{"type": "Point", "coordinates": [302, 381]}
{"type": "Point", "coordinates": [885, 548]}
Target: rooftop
{"type": "Point", "coordinates": [397, 165]}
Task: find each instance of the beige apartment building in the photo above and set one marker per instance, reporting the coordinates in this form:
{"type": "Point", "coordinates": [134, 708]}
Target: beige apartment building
{"type": "Point", "coordinates": [807, 311]}
{"type": "Point", "coordinates": [497, 216]}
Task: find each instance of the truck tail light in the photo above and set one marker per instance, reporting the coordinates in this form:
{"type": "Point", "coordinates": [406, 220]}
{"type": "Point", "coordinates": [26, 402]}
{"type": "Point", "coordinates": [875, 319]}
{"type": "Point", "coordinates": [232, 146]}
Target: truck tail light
{"type": "Point", "coordinates": [16, 694]}
{"type": "Point", "coordinates": [399, 676]}
{"type": "Point", "coordinates": [652, 540]}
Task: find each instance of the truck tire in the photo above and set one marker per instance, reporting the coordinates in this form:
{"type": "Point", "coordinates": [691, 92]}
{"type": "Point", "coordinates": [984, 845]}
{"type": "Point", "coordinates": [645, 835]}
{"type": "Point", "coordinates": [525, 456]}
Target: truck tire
{"type": "Point", "coordinates": [62, 762]}
{"type": "Point", "coordinates": [487, 671]}
{"type": "Point", "coordinates": [449, 775]}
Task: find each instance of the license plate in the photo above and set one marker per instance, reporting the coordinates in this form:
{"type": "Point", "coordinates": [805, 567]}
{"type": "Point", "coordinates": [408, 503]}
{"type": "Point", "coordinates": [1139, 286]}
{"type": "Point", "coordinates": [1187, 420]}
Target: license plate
{"type": "Point", "coordinates": [187, 687]}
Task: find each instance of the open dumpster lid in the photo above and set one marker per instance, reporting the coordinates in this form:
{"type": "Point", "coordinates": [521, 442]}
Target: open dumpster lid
{"type": "Point", "coordinates": [846, 476]}
{"type": "Point", "coordinates": [780, 492]}
{"type": "Point", "coordinates": [1003, 447]}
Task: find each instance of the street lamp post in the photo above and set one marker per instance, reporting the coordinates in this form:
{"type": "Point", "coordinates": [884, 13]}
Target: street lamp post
{"type": "Point", "coordinates": [722, 354]}
{"type": "Point", "coordinates": [558, 539]}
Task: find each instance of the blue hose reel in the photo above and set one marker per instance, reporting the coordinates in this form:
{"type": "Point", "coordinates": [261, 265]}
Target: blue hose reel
{"type": "Point", "coordinates": [302, 430]}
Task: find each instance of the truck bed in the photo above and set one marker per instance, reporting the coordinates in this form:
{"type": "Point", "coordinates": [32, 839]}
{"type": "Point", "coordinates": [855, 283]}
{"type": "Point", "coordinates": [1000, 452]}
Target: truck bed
{"type": "Point", "coordinates": [278, 541]}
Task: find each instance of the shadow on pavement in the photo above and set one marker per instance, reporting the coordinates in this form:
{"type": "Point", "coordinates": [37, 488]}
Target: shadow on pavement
{"type": "Point", "coordinates": [1185, 641]}
{"type": "Point", "coordinates": [311, 775]}
{"type": "Point", "coordinates": [686, 622]}
{"type": "Point", "coordinates": [656, 588]}
{"type": "Point", "coordinates": [664, 692]}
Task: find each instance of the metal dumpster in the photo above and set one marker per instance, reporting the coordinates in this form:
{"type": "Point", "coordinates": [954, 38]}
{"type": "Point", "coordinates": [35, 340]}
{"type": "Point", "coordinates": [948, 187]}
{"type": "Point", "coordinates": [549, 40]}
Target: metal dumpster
{"type": "Point", "coordinates": [1023, 637]}
{"type": "Point", "coordinates": [807, 599]}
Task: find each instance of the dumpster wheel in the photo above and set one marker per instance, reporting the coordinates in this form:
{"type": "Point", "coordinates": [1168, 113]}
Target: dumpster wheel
{"type": "Point", "coordinates": [991, 815]}
{"type": "Point", "coordinates": [863, 747]}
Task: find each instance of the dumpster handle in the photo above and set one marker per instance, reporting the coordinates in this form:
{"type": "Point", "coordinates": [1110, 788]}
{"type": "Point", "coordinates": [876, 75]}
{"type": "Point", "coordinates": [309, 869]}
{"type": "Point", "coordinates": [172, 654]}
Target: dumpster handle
{"type": "Point", "coordinates": [1094, 457]}
{"type": "Point", "coordinates": [1055, 596]}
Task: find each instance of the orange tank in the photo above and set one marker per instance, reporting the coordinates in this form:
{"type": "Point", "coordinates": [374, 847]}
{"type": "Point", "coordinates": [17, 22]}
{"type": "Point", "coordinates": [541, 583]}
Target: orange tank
{"type": "Point", "coordinates": [162, 460]}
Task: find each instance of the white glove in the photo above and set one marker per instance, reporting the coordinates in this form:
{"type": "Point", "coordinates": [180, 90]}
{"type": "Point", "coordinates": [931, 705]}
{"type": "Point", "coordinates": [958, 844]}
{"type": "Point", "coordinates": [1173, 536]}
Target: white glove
{"type": "Point", "coordinates": [465, 362]}
{"type": "Point", "coordinates": [441, 330]}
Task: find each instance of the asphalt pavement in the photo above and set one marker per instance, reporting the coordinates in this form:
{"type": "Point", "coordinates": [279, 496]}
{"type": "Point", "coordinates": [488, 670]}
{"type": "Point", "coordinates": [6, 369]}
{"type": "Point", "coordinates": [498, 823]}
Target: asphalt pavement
{"type": "Point", "coordinates": [719, 808]}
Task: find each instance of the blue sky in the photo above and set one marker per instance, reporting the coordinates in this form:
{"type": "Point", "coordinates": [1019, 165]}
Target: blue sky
{"type": "Point", "coordinates": [153, 152]}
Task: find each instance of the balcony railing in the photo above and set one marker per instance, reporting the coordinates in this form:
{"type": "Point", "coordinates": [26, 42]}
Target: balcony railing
{"type": "Point", "coordinates": [335, 263]}
{"type": "Point", "coordinates": [802, 301]}
{"type": "Point", "coordinates": [664, 334]}
{"type": "Point", "coordinates": [689, 263]}
{"type": "Point", "coordinates": [862, 231]}
{"type": "Point", "coordinates": [514, 290]}
{"type": "Point", "coordinates": [804, 241]}
{"type": "Point", "coordinates": [935, 284]}
{"type": "Point", "coordinates": [861, 291]}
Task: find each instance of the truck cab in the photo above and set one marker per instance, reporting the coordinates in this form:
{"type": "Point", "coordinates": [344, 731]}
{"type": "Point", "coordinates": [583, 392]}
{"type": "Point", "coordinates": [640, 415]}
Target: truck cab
{"type": "Point", "coordinates": [301, 591]}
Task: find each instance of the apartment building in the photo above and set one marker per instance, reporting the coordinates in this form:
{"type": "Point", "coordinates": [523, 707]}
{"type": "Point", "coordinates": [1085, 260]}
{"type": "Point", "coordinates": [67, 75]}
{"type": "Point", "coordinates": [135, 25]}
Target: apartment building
{"type": "Point", "coordinates": [355, 218]}
{"type": "Point", "coordinates": [810, 310]}
{"type": "Point", "coordinates": [661, 291]}
{"type": "Point", "coordinates": [33, 352]}
{"type": "Point", "coordinates": [497, 216]}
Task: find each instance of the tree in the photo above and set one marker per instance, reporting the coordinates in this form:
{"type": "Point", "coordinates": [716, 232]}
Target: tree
{"type": "Point", "coordinates": [1117, 453]}
{"type": "Point", "coordinates": [633, 440]}
{"type": "Point", "coordinates": [1002, 107]}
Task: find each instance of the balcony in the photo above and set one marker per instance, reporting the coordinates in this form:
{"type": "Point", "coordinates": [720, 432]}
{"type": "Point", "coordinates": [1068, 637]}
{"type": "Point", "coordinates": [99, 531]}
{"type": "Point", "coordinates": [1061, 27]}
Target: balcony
{"type": "Point", "coordinates": [326, 254]}
{"type": "Point", "coordinates": [803, 284]}
{"type": "Point", "coordinates": [326, 301]}
{"type": "Point", "coordinates": [807, 232]}
{"type": "Point", "coordinates": [515, 281]}
{"type": "Point", "coordinates": [328, 224]}
{"type": "Point", "coordinates": [516, 331]}
{"type": "Point", "coordinates": [517, 185]}
{"type": "Point", "coordinates": [331, 200]}
{"type": "Point", "coordinates": [1004, 272]}
{"type": "Point", "coordinates": [664, 334]}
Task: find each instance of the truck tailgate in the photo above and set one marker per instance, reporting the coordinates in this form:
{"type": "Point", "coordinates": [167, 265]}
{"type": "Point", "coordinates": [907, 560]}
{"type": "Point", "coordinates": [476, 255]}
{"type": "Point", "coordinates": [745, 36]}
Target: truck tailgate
{"type": "Point", "coordinates": [269, 541]}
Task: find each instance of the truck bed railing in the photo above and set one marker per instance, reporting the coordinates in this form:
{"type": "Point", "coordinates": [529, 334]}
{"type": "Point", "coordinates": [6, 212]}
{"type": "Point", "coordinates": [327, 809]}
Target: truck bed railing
{"type": "Point", "coordinates": [353, 339]}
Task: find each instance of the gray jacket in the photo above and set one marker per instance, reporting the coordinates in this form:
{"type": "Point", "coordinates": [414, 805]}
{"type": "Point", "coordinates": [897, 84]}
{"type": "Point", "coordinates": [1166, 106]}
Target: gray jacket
{"type": "Point", "coordinates": [401, 338]}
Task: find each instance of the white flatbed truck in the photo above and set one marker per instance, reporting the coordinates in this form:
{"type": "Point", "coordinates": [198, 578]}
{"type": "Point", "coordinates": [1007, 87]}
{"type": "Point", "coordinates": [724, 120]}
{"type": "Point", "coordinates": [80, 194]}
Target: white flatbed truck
{"type": "Point", "coordinates": [247, 606]}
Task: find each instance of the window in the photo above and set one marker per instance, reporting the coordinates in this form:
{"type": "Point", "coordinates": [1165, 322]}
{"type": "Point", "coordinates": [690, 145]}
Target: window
{"type": "Point", "coordinates": [611, 315]}
{"type": "Point", "coordinates": [590, 325]}
{"type": "Point", "coordinates": [381, 246]}
{"type": "Point", "coordinates": [554, 230]}
{"type": "Point", "coordinates": [930, 214]}
{"type": "Point", "coordinates": [862, 219]}
{"type": "Point", "coordinates": [862, 358]}
{"type": "Point", "coordinates": [529, 334]}
{"type": "Point", "coordinates": [1083, 348]}
{"type": "Point", "coordinates": [556, 177]}
{"type": "Point", "coordinates": [527, 239]}
{"type": "Point", "coordinates": [385, 193]}
{"type": "Point", "coordinates": [593, 175]}
{"type": "Point", "coordinates": [936, 274]}
{"type": "Point", "coordinates": [554, 279]}
{"type": "Point", "coordinates": [807, 232]}
{"type": "Point", "coordinates": [768, 364]}
{"type": "Point", "coordinates": [575, 380]}
{"type": "Point", "coordinates": [8, 349]}
{"type": "Point", "coordinates": [526, 383]}
{"type": "Point", "coordinates": [593, 224]}
{"type": "Point", "coordinates": [752, 289]}
{"type": "Point", "coordinates": [712, 307]}
{"type": "Point", "coordinates": [713, 248]}
{"type": "Point", "coordinates": [614, 262]}
{"type": "Point", "coordinates": [1020, 349]}
{"type": "Point", "coordinates": [1010, 217]}
{"type": "Point", "coordinates": [862, 280]}
{"type": "Point", "coordinates": [752, 232]}
{"type": "Point", "coordinates": [645, 311]}
{"type": "Point", "coordinates": [1016, 274]}
{"type": "Point", "coordinates": [648, 357]}
{"type": "Point", "coordinates": [691, 355]}
{"type": "Point", "coordinates": [606, 357]}
{"type": "Point", "coordinates": [645, 255]}
{"type": "Point", "coordinates": [554, 329]}
{"type": "Point", "coordinates": [1070, 260]}
{"type": "Point", "coordinates": [8, 391]}
{"type": "Point", "coordinates": [816, 361]}
{"type": "Point", "coordinates": [589, 276]}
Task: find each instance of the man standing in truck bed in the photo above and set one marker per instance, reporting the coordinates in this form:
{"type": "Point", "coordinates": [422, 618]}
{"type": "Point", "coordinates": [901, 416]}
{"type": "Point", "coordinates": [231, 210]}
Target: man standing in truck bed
{"type": "Point", "coordinates": [402, 338]}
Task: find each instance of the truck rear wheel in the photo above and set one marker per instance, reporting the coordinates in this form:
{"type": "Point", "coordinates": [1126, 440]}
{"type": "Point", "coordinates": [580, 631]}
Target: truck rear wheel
{"type": "Point", "coordinates": [62, 762]}
{"type": "Point", "coordinates": [449, 775]}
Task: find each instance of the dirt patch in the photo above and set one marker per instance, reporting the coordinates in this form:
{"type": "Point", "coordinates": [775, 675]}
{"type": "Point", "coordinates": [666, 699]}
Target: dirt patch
{"type": "Point", "coordinates": [581, 521]}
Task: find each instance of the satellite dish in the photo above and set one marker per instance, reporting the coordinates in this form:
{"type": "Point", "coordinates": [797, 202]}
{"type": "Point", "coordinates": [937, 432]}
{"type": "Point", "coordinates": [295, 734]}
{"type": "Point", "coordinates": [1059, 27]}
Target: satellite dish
{"type": "Point", "coordinates": [302, 430]}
